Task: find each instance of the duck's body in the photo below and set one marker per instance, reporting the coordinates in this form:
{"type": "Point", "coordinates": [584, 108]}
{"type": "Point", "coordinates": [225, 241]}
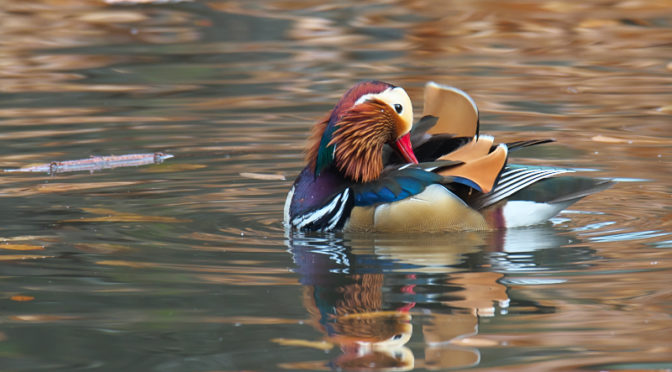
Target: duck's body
{"type": "Point", "coordinates": [443, 176]}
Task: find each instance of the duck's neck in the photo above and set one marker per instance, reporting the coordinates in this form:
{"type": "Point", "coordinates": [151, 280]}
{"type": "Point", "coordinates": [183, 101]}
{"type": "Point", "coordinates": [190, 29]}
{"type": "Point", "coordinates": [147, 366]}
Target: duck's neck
{"type": "Point", "coordinates": [325, 151]}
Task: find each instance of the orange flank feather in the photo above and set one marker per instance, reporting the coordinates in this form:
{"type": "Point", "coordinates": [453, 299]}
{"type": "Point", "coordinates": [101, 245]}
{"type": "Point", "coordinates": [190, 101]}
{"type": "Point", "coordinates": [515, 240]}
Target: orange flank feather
{"type": "Point", "coordinates": [480, 165]}
{"type": "Point", "coordinates": [359, 138]}
{"type": "Point", "coordinates": [457, 112]}
{"type": "Point", "coordinates": [472, 150]}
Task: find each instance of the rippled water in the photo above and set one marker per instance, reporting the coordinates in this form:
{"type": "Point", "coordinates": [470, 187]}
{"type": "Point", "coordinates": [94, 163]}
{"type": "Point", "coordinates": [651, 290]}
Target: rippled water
{"type": "Point", "coordinates": [185, 266]}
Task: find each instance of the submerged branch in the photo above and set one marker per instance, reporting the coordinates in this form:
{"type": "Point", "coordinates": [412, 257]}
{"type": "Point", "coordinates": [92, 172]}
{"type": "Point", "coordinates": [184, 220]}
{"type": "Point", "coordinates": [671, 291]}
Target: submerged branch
{"type": "Point", "coordinates": [95, 163]}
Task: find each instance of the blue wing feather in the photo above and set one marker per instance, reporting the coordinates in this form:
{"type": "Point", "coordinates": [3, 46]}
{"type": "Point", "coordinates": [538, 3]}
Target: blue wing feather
{"type": "Point", "coordinates": [386, 194]}
{"type": "Point", "coordinates": [394, 185]}
{"type": "Point", "coordinates": [467, 182]}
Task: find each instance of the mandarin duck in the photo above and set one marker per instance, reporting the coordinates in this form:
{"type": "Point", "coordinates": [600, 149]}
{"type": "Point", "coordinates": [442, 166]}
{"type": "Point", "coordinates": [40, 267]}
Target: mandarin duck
{"type": "Point", "coordinates": [369, 169]}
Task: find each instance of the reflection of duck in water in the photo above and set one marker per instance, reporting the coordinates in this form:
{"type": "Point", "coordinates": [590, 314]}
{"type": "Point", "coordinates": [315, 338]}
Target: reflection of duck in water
{"type": "Point", "coordinates": [361, 291]}
{"type": "Point", "coordinates": [351, 315]}
{"type": "Point", "coordinates": [351, 312]}
{"type": "Point", "coordinates": [361, 306]}
{"type": "Point", "coordinates": [345, 300]}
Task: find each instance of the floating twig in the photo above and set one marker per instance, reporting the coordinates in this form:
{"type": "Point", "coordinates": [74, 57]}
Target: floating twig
{"type": "Point", "coordinates": [95, 163]}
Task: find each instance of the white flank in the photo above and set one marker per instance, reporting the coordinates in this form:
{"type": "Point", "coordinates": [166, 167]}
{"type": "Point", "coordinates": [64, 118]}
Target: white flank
{"type": "Point", "coordinates": [519, 213]}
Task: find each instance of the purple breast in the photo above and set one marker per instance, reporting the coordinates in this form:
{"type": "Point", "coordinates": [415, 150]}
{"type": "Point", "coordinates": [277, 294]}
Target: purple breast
{"type": "Point", "coordinates": [311, 193]}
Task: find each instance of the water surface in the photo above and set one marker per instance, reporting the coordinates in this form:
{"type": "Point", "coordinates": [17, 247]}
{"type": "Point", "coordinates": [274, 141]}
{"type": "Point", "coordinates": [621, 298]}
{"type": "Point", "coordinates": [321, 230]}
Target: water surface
{"type": "Point", "coordinates": [185, 266]}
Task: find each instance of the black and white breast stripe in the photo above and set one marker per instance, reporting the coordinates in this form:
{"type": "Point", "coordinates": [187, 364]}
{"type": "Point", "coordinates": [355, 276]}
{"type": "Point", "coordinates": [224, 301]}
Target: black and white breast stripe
{"type": "Point", "coordinates": [514, 179]}
{"type": "Point", "coordinates": [329, 217]}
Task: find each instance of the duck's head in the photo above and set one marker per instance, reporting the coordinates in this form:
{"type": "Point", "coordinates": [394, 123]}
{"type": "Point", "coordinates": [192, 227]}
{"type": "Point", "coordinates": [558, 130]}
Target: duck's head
{"type": "Point", "coordinates": [368, 116]}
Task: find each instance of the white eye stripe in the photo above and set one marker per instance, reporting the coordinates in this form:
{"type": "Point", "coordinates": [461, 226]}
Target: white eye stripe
{"type": "Point", "coordinates": [369, 96]}
{"type": "Point", "coordinates": [392, 96]}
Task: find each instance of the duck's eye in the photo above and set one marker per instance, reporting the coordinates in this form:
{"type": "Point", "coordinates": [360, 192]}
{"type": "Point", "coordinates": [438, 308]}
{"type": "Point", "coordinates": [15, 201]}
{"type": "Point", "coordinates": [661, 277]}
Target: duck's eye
{"type": "Point", "coordinates": [398, 108]}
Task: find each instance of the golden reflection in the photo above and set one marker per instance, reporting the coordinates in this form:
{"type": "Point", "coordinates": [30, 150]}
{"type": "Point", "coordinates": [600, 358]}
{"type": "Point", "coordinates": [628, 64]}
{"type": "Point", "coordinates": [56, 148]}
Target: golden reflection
{"type": "Point", "coordinates": [263, 176]}
{"type": "Point", "coordinates": [437, 254]}
{"type": "Point", "coordinates": [173, 168]}
{"type": "Point", "coordinates": [59, 187]}
{"type": "Point", "coordinates": [320, 345]}
{"type": "Point", "coordinates": [21, 257]}
{"type": "Point", "coordinates": [21, 298]}
{"type": "Point", "coordinates": [21, 247]}
{"type": "Point", "coordinates": [102, 248]}
{"type": "Point", "coordinates": [27, 237]}
{"type": "Point", "coordinates": [40, 25]}
{"type": "Point", "coordinates": [110, 215]}
{"type": "Point", "coordinates": [63, 117]}
{"type": "Point", "coordinates": [42, 318]}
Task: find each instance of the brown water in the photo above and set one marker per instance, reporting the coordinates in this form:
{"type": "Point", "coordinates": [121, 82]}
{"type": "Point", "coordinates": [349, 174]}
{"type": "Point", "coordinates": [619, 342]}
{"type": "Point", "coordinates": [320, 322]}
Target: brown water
{"type": "Point", "coordinates": [185, 266]}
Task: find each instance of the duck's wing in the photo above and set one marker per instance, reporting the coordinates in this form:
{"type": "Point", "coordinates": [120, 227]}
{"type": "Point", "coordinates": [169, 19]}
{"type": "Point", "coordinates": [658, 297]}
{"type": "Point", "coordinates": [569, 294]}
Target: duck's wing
{"type": "Point", "coordinates": [527, 143]}
{"type": "Point", "coordinates": [413, 198]}
{"type": "Point", "coordinates": [398, 184]}
{"type": "Point", "coordinates": [539, 185]}
{"type": "Point", "coordinates": [450, 132]}
{"type": "Point", "coordinates": [456, 111]}
{"type": "Point", "coordinates": [531, 195]}
{"type": "Point", "coordinates": [514, 178]}
{"type": "Point", "coordinates": [565, 189]}
{"type": "Point", "coordinates": [451, 112]}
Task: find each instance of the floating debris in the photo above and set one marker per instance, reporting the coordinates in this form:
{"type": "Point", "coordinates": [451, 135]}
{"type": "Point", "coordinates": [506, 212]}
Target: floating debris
{"type": "Point", "coordinates": [95, 163]}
